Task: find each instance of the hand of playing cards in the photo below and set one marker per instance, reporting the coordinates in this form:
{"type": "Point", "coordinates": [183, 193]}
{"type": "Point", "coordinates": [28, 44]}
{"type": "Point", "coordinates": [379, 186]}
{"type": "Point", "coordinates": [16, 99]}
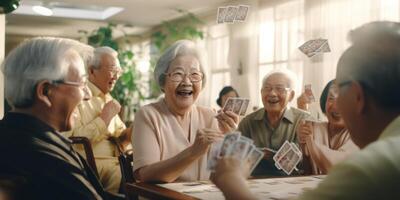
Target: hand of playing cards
{"type": "Point", "coordinates": [235, 145]}
{"type": "Point", "coordinates": [314, 47]}
{"type": "Point", "coordinates": [237, 105]}
{"type": "Point", "coordinates": [287, 157]}
{"type": "Point", "coordinates": [309, 93]}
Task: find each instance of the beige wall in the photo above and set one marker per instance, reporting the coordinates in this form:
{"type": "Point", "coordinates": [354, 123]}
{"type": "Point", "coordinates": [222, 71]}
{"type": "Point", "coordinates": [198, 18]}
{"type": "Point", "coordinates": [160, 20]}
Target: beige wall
{"type": "Point", "coordinates": [2, 35]}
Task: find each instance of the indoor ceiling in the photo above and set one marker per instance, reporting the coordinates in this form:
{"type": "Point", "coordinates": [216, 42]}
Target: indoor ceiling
{"type": "Point", "coordinates": [137, 17]}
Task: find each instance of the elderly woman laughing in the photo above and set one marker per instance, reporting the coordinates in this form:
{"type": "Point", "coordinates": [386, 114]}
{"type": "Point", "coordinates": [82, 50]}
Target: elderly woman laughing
{"type": "Point", "coordinates": [171, 137]}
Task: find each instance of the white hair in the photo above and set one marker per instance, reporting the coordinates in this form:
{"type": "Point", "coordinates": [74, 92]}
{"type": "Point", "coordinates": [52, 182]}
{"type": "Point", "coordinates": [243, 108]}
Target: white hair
{"type": "Point", "coordinates": [179, 48]}
{"type": "Point", "coordinates": [98, 52]}
{"type": "Point", "coordinates": [37, 59]}
{"type": "Point", "coordinates": [292, 78]}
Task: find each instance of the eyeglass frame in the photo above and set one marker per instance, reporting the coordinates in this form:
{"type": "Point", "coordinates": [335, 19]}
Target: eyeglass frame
{"type": "Point", "coordinates": [81, 85]}
{"type": "Point", "coordinates": [184, 76]}
{"type": "Point", "coordinates": [274, 87]}
{"type": "Point", "coordinates": [118, 71]}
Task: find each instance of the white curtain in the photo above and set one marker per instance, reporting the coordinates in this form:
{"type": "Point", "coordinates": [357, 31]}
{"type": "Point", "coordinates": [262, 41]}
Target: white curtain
{"type": "Point", "coordinates": [286, 25]}
{"type": "Point", "coordinates": [332, 20]}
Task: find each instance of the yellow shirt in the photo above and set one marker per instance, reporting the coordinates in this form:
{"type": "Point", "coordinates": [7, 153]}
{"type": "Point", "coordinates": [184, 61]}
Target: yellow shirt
{"type": "Point", "coordinates": [372, 173]}
{"type": "Point", "coordinates": [90, 125]}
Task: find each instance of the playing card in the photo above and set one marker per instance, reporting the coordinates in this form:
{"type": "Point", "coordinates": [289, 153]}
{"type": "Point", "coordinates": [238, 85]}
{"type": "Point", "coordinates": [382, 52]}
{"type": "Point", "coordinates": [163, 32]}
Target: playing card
{"type": "Point", "coordinates": [221, 14]}
{"type": "Point", "coordinates": [231, 14]}
{"type": "Point", "coordinates": [312, 47]}
{"type": "Point", "coordinates": [267, 149]}
{"type": "Point", "coordinates": [244, 107]}
{"type": "Point", "coordinates": [237, 105]}
{"type": "Point", "coordinates": [239, 149]}
{"type": "Point", "coordinates": [296, 149]}
{"type": "Point", "coordinates": [325, 48]}
{"type": "Point", "coordinates": [284, 148]}
{"type": "Point", "coordinates": [228, 142]}
{"type": "Point", "coordinates": [213, 155]}
{"type": "Point", "coordinates": [289, 161]}
{"type": "Point", "coordinates": [242, 13]}
{"type": "Point", "coordinates": [230, 103]}
{"type": "Point", "coordinates": [254, 158]}
{"type": "Point", "coordinates": [309, 93]}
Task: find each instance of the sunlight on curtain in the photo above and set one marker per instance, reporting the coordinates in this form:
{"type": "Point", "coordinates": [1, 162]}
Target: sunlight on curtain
{"type": "Point", "coordinates": [280, 32]}
{"type": "Point", "coordinates": [284, 27]}
{"type": "Point", "coordinates": [217, 45]}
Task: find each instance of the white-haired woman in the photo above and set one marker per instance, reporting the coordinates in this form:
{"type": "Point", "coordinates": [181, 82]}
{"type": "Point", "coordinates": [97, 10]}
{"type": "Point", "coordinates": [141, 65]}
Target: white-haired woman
{"type": "Point", "coordinates": [171, 138]}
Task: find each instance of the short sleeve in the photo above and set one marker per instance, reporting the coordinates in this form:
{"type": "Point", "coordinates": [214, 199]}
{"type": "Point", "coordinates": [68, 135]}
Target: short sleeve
{"type": "Point", "coordinates": [146, 149]}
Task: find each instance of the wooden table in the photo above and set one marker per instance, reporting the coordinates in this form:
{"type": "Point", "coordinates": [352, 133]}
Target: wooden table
{"type": "Point", "coordinates": [152, 191]}
{"type": "Point", "coordinates": [267, 187]}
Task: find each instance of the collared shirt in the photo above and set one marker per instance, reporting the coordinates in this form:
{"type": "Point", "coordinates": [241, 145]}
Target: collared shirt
{"type": "Point", "coordinates": [372, 173]}
{"type": "Point", "coordinates": [89, 124]}
{"type": "Point", "coordinates": [256, 127]}
{"type": "Point", "coordinates": [44, 160]}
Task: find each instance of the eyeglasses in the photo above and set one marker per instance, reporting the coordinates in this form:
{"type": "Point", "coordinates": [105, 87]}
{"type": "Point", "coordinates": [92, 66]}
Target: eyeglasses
{"type": "Point", "coordinates": [116, 71]}
{"type": "Point", "coordinates": [178, 76]}
{"type": "Point", "coordinates": [278, 88]}
{"type": "Point", "coordinates": [82, 84]}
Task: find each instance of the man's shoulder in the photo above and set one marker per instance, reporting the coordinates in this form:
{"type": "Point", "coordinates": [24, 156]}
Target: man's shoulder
{"type": "Point", "coordinates": [255, 115]}
{"type": "Point", "coordinates": [299, 112]}
{"type": "Point", "coordinates": [252, 118]}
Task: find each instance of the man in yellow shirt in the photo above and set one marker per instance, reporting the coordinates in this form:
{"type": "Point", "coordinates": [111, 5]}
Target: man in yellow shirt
{"type": "Point", "coordinates": [98, 120]}
{"type": "Point", "coordinates": [368, 76]}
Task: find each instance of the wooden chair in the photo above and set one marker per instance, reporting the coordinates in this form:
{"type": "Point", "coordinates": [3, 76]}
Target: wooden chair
{"type": "Point", "coordinates": [126, 166]}
{"type": "Point", "coordinates": [84, 141]}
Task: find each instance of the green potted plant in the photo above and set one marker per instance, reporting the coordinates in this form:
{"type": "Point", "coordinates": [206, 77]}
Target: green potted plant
{"type": "Point", "coordinates": [186, 27]}
{"type": "Point", "coordinates": [126, 90]}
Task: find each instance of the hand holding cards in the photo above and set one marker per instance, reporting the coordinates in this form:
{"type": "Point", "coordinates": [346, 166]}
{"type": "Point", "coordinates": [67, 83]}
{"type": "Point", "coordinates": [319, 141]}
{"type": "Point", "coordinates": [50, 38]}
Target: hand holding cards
{"type": "Point", "coordinates": [287, 157]}
{"type": "Point", "coordinates": [237, 146]}
{"type": "Point", "coordinates": [237, 105]}
{"type": "Point", "coordinates": [308, 92]}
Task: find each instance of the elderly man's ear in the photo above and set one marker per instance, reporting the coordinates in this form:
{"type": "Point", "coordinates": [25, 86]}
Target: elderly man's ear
{"type": "Point", "coordinates": [359, 98]}
{"type": "Point", "coordinates": [43, 92]}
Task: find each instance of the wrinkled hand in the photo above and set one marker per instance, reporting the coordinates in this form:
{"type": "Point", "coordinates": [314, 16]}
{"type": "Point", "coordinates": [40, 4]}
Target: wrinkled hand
{"type": "Point", "coordinates": [303, 101]}
{"type": "Point", "coordinates": [204, 138]}
{"type": "Point", "coordinates": [110, 109]}
{"type": "Point", "coordinates": [268, 155]}
{"type": "Point", "coordinates": [228, 167]}
{"type": "Point", "coordinates": [305, 132]}
{"type": "Point", "coordinates": [227, 121]}
{"type": "Point", "coordinates": [125, 138]}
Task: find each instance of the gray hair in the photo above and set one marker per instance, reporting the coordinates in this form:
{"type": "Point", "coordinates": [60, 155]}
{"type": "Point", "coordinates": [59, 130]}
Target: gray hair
{"type": "Point", "coordinates": [292, 78]}
{"type": "Point", "coordinates": [37, 59]}
{"type": "Point", "coordinates": [373, 61]}
{"type": "Point", "coordinates": [179, 48]}
{"type": "Point", "coordinates": [98, 52]}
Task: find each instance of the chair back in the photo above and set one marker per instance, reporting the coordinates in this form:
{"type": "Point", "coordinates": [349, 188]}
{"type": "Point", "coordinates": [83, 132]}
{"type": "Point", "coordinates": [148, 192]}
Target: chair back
{"type": "Point", "coordinates": [84, 141]}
